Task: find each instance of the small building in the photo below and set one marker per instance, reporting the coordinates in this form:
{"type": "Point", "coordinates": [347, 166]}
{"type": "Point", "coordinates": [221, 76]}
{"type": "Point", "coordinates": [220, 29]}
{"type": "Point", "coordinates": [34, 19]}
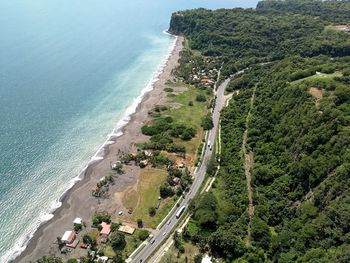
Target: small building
{"type": "Point", "coordinates": [126, 229]}
{"type": "Point", "coordinates": [106, 229]}
{"type": "Point", "coordinates": [176, 180]}
{"type": "Point", "coordinates": [77, 221]}
{"type": "Point", "coordinates": [180, 165]}
{"type": "Point", "coordinates": [148, 153]}
{"type": "Point", "coordinates": [102, 259]}
{"type": "Point", "coordinates": [68, 237]}
{"type": "Point", "coordinates": [206, 259]}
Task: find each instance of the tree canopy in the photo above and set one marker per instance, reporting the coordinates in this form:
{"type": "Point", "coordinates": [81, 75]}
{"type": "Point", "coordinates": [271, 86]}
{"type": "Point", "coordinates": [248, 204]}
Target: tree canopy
{"type": "Point", "coordinates": [297, 64]}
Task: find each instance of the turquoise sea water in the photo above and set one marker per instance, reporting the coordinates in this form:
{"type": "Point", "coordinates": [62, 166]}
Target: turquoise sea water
{"type": "Point", "coordinates": [68, 72]}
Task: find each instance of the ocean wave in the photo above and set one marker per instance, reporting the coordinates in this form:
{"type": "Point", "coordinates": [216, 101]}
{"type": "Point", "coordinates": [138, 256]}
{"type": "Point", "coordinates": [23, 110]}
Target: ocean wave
{"type": "Point", "coordinates": [21, 243]}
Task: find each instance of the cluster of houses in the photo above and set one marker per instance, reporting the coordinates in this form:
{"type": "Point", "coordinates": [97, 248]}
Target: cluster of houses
{"type": "Point", "coordinates": [204, 77]}
{"type": "Point", "coordinates": [70, 240]}
{"type": "Point", "coordinates": [203, 72]}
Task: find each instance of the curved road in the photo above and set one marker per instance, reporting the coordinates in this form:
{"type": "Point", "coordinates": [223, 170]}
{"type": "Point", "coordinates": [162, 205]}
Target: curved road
{"type": "Point", "coordinates": [160, 235]}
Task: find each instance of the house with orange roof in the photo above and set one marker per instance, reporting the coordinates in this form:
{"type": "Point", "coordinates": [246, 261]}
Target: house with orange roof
{"type": "Point", "coordinates": [106, 229]}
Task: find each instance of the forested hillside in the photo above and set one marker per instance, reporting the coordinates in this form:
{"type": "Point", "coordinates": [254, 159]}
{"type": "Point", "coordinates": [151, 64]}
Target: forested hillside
{"type": "Point", "coordinates": [333, 11]}
{"type": "Point", "coordinates": [243, 37]}
{"type": "Point", "coordinates": [297, 132]}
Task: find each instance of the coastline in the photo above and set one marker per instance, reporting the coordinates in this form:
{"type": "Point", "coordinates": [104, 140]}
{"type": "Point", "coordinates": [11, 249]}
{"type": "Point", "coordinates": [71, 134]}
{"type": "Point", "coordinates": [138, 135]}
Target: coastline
{"type": "Point", "coordinates": [77, 201]}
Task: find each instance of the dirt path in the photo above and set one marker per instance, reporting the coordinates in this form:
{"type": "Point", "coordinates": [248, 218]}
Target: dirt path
{"type": "Point", "coordinates": [248, 167]}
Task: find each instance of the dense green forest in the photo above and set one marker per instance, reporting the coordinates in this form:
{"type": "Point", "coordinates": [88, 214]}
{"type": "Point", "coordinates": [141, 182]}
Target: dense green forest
{"type": "Point", "coordinates": [333, 11]}
{"type": "Point", "coordinates": [244, 37]}
{"type": "Point", "coordinates": [298, 133]}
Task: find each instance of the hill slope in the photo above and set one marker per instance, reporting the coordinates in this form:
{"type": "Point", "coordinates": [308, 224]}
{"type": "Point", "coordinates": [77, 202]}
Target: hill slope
{"type": "Point", "coordinates": [298, 134]}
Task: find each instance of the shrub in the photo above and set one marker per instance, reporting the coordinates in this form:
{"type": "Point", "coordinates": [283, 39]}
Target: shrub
{"type": "Point", "coordinates": [117, 241]}
{"type": "Point", "coordinates": [190, 103]}
{"type": "Point", "coordinates": [143, 235]}
{"type": "Point", "coordinates": [197, 258]}
{"type": "Point", "coordinates": [176, 148]}
{"type": "Point", "coordinates": [207, 122]}
{"type": "Point", "coordinates": [50, 259]}
{"type": "Point", "coordinates": [201, 98]}
{"type": "Point", "coordinates": [139, 223]}
{"type": "Point", "coordinates": [99, 218]}
{"type": "Point", "coordinates": [188, 134]}
{"type": "Point", "coordinates": [152, 211]}
{"type": "Point", "coordinates": [77, 227]}
{"type": "Point", "coordinates": [174, 172]}
{"type": "Point", "coordinates": [88, 239]}
{"type": "Point", "coordinates": [165, 190]}
{"type": "Point", "coordinates": [168, 89]}
{"type": "Point", "coordinates": [114, 227]}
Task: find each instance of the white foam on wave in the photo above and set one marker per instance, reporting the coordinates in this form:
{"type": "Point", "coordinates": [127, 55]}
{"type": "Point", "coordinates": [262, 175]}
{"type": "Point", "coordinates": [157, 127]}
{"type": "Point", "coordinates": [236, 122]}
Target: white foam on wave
{"type": "Point", "coordinates": [21, 244]}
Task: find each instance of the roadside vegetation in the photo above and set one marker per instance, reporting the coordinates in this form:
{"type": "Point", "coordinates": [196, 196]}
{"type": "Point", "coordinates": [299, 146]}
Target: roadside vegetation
{"type": "Point", "coordinates": [298, 132]}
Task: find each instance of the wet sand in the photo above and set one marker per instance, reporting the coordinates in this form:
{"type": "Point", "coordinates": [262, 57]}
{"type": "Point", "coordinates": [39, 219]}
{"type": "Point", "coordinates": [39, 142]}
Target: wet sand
{"type": "Point", "coordinates": [78, 202]}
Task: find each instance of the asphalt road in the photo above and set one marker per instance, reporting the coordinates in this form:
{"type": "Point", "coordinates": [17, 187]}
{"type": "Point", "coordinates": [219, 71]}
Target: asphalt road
{"type": "Point", "coordinates": [161, 234]}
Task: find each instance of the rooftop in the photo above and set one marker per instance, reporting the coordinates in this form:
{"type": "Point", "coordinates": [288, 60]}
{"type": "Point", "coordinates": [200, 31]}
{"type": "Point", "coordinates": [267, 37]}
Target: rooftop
{"type": "Point", "coordinates": [127, 229]}
{"type": "Point", "coordinates": [68, 236]}
{"type": "Point", "coordinates": [77, 221]}
{"type": "Point", "coordinates": [106, 229]}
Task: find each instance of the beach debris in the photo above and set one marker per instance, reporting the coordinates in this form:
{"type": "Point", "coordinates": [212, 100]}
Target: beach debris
{"type": "Point", "coordinates": [102, 187]}
{"type": "Point", "coordinates": [118, 167]}
{"type": "Point", "coordinates": [84, 245]}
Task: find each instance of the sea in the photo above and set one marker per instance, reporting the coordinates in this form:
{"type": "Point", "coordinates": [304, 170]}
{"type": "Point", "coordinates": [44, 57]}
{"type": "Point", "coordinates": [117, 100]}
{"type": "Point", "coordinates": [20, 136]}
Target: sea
{"type": "Point", "coordinates": [71, 73]}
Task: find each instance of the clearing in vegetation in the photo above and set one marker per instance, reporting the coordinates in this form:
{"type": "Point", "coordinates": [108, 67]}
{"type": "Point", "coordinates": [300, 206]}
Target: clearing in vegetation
{"type": "Point", "coordinates": [248, 166]}
{"type": "Point", "coordinates": [146, 196]}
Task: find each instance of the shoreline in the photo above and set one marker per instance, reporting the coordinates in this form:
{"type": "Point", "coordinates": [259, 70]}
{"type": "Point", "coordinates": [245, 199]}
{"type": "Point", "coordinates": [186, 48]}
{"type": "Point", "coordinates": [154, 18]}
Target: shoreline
{"type": "Point", "coordinates": [77, 200]}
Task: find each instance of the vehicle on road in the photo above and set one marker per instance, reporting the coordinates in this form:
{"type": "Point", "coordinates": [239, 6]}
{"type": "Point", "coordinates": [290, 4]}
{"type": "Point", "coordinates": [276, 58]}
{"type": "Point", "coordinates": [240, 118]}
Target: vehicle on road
{"type": "Point", "coordinates": [179, 213]}
{"type": "Point", "coordinates": [209, 144]}
{"type": "Point", "coordinates": [153, 241]}
{"type": "Point", "coordinates": [169, 222]}
{"type": "Point", "coordinates": [164, 233]}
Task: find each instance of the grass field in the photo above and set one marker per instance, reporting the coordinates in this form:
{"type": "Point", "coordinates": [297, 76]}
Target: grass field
{"type": "Point", "coordinates": [151, 179]}
{"type": "Point", "coordinates": [321, 76]}
{"type": "Point", "coordinates": [132, 242]}
{"type": "Point", "coordinates": [146, 196]}
{"type": "Point", "coordinates": [190, 116]}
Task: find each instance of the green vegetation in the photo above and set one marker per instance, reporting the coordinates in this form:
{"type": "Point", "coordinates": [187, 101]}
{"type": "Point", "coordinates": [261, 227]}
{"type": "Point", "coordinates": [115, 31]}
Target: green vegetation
{"type": "Point", "coordinates": [333, 11]}
{"type": "Point", "coordinates": [117, 240]}
{"type": "Point", "coordinates": [189, 116]}
{"type": "Point", "coordinates": [143, 235]}
{"type": "Point", "coordinates": [207, 122]}
{"type": "Point", "coordinates": [245, 37]}
{"type": "Point", "coordinates": [298, 132]}
{"type": "Point", "coordinates": [50, 259]}
{"type": "Point", "coordinates": [99, 218]}
{"type": "Point", "coordinates": [146, 196]}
